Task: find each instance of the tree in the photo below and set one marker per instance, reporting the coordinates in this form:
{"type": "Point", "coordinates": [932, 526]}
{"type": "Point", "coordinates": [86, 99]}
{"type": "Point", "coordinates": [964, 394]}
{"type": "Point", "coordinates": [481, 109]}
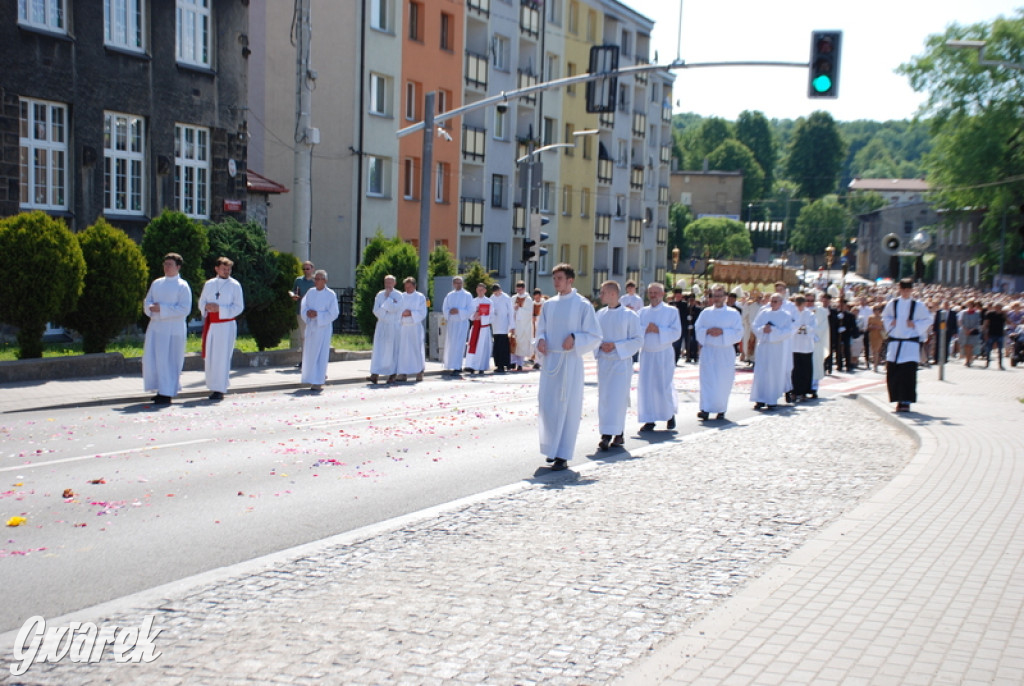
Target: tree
{"type": "Point", "coordinates": [734, 156]}
{"type": "Point", "coordinates": [400, 260]}
{"type": "Point", "coordinates": [977, 129]}
{"type": "Point", "coordinates": [256, 267]}
{"type": "Point", "coordinates": [725, 238]}
{"type": "Point", "coordinates": [754, 131]}
{"type": "Point", "coordinates": [475, 273]}
{"type": "Point", "coordinates": [115, 284]}
{"type": "Point", "coordinates": [679, 216]}
{"type": "Point", "coordinates": [816, 155]}
{"type": "Point", "coordinates": [441, 263]}
{"type": "Point", "coordinates": [271, 320]}
{"type": "Point", "coordinates": [697, 142]}
{"type": "Point", "coordinates": [863, 202]}
{"type": "Point", "coordinates": [175, 232]}
{"type": "Point", "coordinates": [819, 224]}
{"type": "Point", "coordinates": [42, 273]}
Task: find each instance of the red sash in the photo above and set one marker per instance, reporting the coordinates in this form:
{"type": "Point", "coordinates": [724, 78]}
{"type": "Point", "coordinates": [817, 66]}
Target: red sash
{"type": "Point", "coordinates": [211, 318]}
{"type": "Point", "coordinates": [484, 310]}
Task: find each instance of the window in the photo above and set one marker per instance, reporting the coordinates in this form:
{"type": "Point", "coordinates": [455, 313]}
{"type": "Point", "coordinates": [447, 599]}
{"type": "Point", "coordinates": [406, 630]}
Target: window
{"type": "Point", "coordinates": [380, 15]}
{"type": "Point", "coordinates": [563, 252]}
{"type": "Point", "coordinates": [567, 200]}
{"type": "Point", "coordinates": [544, 259]}
{"type": "Point", "coordinates": [591, 26]}
{"type": "Point", "coordinates": [616, 260]}
{"type": "Point", "coordinates": [495, 253]}
{"type": "Point", "coordinates": [412, 100]}
{"type": "Point", "coordinates": [551, 67]}
{"type": "Point", "coordinates": [554, 12]}
{"type": "Point", "coordinates": [623, 159]}
{"type": "Point", "coordinates": [43, 14]}
{"type": "Point", "coordinates": [440, 185]}
{"type": "Point", "coordinates": [193, 26]}
{"type": "Point", "coordinates": [444, 99]}
{"type": "Point", "coordinates": [410, 182]}
{"type": "Point", "coordinates": [500, 48]}
{"type": "Point", "coordinates": [43, 153]}
{"type": "Point", "coordinates": [585, 202]}
{"type": "Point", "coordinates": [378, 176]}
{"type": "Point", "coordinates": [569, 129]}
{"type": "Point", "coordinates": [123, 24]}
{"type": "Point", "coordinates": [548, 134]}
{"type": "Point", "coordinates": [581, 265]}
{"type": "Point", "coordinates": [625, 45]}
{"type": "Point", "coordinates": [574, 17]}
{"type": "Point", "coordinates": [588, 150]}
{"type": "Point", "coordinates": [378, 94]}
{"type": "Point", "coordinates": [416, 21]}
{"type": "Point", "coordinates": [124, 159]}
{"type": "Point", "coordinates": [192, 170]}
{"type": "Point", "coordinates": [547, 199]}
{"type": "Point", "coordinates": [499, 185]}
{"type": "Point", "coordinates": [500, 124]}
{"type": "Point", "coordinates": [447, 22]}
{"type": "Point", "coordinates": [570, 70]}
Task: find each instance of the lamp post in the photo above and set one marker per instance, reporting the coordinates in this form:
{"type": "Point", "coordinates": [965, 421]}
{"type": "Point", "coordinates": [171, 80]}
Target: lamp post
{"type": "Point", "coordinates": [830, 254]}
{"type": "Point", "coordinates": [675, 265]}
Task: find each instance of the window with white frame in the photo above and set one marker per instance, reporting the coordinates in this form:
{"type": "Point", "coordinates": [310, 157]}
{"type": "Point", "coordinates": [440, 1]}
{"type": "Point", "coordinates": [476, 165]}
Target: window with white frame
{"type": "Point", "coordinates": [192, 170]}
{"type": "Point", "coordinates": [379, 95]}
{"type": "Point", "coordinates": [500, 128]}
{"type": "Point", "coordinates": [409, 178]}
{"type": "Point", "coordinates": [551, 67]}
{"type": "Point", "coordinates": [547, 197]}
{"type": "Point", "coordinates": [124, 161]}
{"type": "Point", "coordinates": [444, 99]}
{"type": "Point", "coordinates": [566, 200]}
{"type": "Point", "coordinates": [378, 176]}
{"type": "Point", "coordinates": [584, 260]}
{"type": "Point", "coordinates": [380, 15]}
{"type": "Point", "coordinates": [50, 15]}
{"type": "Point", "coordinates": [548, 134]}
{"type": "Point", "coordinates": [623, 159]}
{"type": "Point", "coordinates": [554, 12]}
{"type": "Point", "coordinates": [412, 100]}
{"type": "Point", "coordinates": [440, 182]}
{"type": "Point", "coordinates": [501, 47]}
{"type": "Point", "coordinates": [43, 154]}
{"type": "Point", "coordinates": [584, 202]}
{"type": "Point", "coordinates": [123, 23]}
{"type": "Point", "coordinates": [194, 32]}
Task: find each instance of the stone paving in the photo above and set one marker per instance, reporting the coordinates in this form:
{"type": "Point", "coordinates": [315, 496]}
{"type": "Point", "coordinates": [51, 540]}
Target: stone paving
{"type": "Point", "coordinates": [564, 580]}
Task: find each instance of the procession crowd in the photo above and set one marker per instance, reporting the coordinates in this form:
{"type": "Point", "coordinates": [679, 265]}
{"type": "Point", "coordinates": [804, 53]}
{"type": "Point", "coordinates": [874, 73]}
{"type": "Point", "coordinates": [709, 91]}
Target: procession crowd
{"type": "Point", "coordinates": [791, 342]}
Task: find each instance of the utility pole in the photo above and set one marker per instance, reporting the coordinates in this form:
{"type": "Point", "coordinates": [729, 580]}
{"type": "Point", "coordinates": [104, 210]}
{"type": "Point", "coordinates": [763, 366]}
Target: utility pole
{"type": "Point", "coordinates": [425, 188]}
{"type": "Point", "coordinates": [305, 135]}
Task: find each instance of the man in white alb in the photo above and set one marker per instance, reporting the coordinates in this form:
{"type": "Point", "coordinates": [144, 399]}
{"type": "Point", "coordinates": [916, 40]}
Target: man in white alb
{"type": "Point", "coordinates": [773, 327]}
{"type": "Point", "coordinates": [457, 309]}
{"type": "Point", "coordinates": [656, 399]}
{"type": "Point", "coordinates": [502, 323]}
{"type": "Point", "coordinates": [719, 328]}
{"type": "Point", "coordinates": [521, 339]}
{"type": "Point", "coordinates": [319, 310]}
{"type": "Point", "coordinates": [411, 351]}
{"type": "Point", "coordinates": [220, 302]}
{"type": "Point", "coordinates": [168, 304]}
{"type": "Point", "coordinates": [387, 308]}
{"type": "Point", "coordinates": [620, 340]}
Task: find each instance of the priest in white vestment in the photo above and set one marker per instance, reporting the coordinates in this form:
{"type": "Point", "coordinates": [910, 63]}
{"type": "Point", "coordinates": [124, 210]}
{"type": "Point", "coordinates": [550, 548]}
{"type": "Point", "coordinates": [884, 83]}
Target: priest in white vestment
{"type": "Point", "coordinates": [522, 330]}
{"type": "Point", "coordinates": [478, 350]}
{"type": "Point", "coordinates": [656, 399]}
{"type": "Point", "coordinates": [621, 338]}
{"type": "Point", "coordinates": [220, 302]}
{"type": "Point", "coordinates": [773, 327]}
{"type": "Point", "coordinates": [718, 329]}
{"type": "Point", "coordinates": [412, 357]}
{"type": "Point", "coordinates": [457, 309]}
{"type": "Point", "coordinates": [567, 329]}
{"type": "Point", "coordinates": [319, 309]}
{"type": "Point", "coordinates": [168, 304]}
{"type": "Point", "coordinates": [387, 308]}
{"type": "Point", "coordinates": [824, 343]}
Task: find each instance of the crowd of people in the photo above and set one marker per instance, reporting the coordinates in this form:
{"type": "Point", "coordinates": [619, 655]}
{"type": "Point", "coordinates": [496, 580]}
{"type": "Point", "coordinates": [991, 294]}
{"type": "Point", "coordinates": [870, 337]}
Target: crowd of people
{"type": "Point", "coordinates": [791, 341]}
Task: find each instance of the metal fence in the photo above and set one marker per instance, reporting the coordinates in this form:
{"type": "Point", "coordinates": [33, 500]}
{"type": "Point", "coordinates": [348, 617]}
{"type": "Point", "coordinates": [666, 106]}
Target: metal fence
{"type": "Point", "coordinates": [346, 321]}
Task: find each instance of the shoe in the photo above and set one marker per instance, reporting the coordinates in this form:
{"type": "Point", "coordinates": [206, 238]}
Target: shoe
{"type": "Point", "coordinates": [549, 460]}
{"type": "Point", "coordinates": [790, 398]}
{"type": "Point", "coordinates": [703, 416]}
{"type": "Point", "coordinates": [758, 406]}
{"type": "Point", "coordinates": [391, 379]}
{"type": "Point", "coordinates": [419, 377]}
{"type": "Point", "coordinates": [559, 464]}
{"type": "Point", "coordinates": [814, 395]}
{"type": "Point", "coordinates": [298, 366]}
{"type": "Point", "coordinates": [536, 367]}
{"type": "Point", "coordinates": [372, 378]}
{"type": "Point", "coordinates": [216, 395]}
{"type": "Point", "coordinates": [316, 388]}
{"type": "Point", "coordinates": [402, 378]}
{"type": "Point", "coordinates": [618, 440]}
{"type": "Point", "coordinates": [720, 416]}
{"type": "Point", "coordinates": [649, 426]}
{"type": "Point", "coordinates": [161, 399]}
{"type": "Point", "coordinates": [603, 445]}
{"type": "Point", "coordinates": [671, 423]}
{"type": "Point", "coordinates": [771, 407]}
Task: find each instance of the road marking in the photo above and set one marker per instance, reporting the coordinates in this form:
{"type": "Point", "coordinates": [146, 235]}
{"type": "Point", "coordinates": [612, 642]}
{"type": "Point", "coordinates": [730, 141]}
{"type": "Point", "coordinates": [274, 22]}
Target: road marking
{"type": "Point", "coordinates": [110, 454]}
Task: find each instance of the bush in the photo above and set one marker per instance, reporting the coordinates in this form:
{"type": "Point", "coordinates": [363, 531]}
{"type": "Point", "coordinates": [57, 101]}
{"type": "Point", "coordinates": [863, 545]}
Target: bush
{"type": "Point", "coordinates": [115, 284]}
{"type": "Point", "coordinates": [399, 260]}
{"type": "Point", "coordinates": [273, 319]}
{"type": "Point", "coordinates": [42, 273]}
{"type": "Point", "coordinates": [255, 266]}
{"type": "Point", "coordinates": [476, 274]}
{"type": "Point", "coordinates": [174, 232]}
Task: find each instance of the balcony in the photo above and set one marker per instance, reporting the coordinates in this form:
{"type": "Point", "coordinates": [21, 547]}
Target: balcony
{"type": "Point", "coordinates": [471, 215]}
{"type": "Point", "coordinates": [473, 139]}
{"type": "Point", "coordinates": [662, 235]}
{"type": "Point", "coordinates": [659, 275]}
{"type": "Point", "coordinates": [636, 229]}
{"type": "Point", "coordinates": [476, 70]}
{"type": "Point", "coordinates": [633, 274]}
{"type": "Point", "coordinates": [663, 195]}
{"type": "Point", "coordinates": [639, 124]}
{"type": "Point", "coordinates": [606, 120]}
{"type": "Point", "coordinates": [636, 177]}
{"type": "Point", "coordinates": [604, 170]}
{"type": "Point", "coordinates": [526, 79]}
{"type": "Point", "coordinates": [600, 276]}
{"type": "Point", "coordinates": [642, 76]}
{"type": "Point", "coordinates": [666, 114]}
{"type": "Point", "coordinates": [481, 7]}
{"type": "Point", "coordinates": [522, 147]}
{"type": "Point", "coordinates": [529, 19]}
{"type": "Point", "coordinates": [666, 154]}
{"type": "Point", "coordinates": [603, 227]}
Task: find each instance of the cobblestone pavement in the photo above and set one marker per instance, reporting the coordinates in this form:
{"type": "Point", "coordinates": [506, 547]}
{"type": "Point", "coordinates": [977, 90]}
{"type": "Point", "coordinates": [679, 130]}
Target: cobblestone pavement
{"type": "Point", "coordinates": [565, 580]}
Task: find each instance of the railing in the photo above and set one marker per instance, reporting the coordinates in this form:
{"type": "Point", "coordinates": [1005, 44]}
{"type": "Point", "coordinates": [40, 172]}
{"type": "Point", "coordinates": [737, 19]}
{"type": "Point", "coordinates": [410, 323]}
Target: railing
{"type": "Point", "coordinates": [606, 119]}
{"type": "Point", "coordinates": [600, 276]}
{"type": "Point", "coordinates": [659, 275]}
{"type": "Point", "coordinates": [639, 124]}
{"type": "Point", "coordinates": [636, 177]}
{"type": "Point", "coordinates": [476, 70]}
{"type": "Point", "coordinates": [479, 6]}
{"type": "Point", "coordinates": [636, 229]}
{"type": "Point", "coordinates": [641, 77]}
{"type": "Point", "coordinates": [663, 195]}
{"type": "Point", "coordinates": [603, 227]}
{"type": "Point", "coordinates": [633, 274]}
{"type": "Point", "coordinates": [518, 220]}
{"type": "Point", "coordinates": [529, 19]}
{"type": "Point", "coordinates": [473, 139]}
{"type": "Point", "coordinates": [346, 321]}
{"type": "Point", "coordinates": [662, 235]}
{"type": "Point", "coordinates": [666, 114]}
{"type": "Point", "coordinates": [526, 79]}
{"type": "Point", "coordinates": [522, 147]}
{"type": "Point", "coordinates": [666, 154]}
{"type": "Point", "coordinates": [604, 171]}
{"type": "Point", "coordinates": [471, 214]}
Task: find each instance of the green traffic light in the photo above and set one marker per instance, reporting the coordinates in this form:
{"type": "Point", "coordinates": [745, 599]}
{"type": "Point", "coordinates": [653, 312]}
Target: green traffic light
{"type": "Point", "coordinates": [822, 83]}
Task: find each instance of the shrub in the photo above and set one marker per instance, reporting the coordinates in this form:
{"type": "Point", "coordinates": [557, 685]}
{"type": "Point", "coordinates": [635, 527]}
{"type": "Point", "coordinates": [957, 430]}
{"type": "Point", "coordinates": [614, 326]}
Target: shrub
{"type": "Point", "coordinates": [174, 232]}
{"type": "Point", "coordinates": [272, 319]}
{"type": "Point", "coordinates": [399, 260]}
{"type": "Point", "coordinates": [115, 284]}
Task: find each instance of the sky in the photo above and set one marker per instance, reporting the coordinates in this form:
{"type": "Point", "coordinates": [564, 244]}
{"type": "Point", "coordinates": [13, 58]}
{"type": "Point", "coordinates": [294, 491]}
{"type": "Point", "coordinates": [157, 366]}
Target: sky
{"type": "Point", "coordinates": [878, 36]}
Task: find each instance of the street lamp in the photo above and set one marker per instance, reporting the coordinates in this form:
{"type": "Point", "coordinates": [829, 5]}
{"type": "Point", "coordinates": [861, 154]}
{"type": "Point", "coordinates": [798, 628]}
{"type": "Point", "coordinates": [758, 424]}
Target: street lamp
{"type": "Point", "coordinates": [830, 253]}
{"type": "Point", "coordinates": [979, 45]}
{"type": "Point", "coordinates": [675, 265]}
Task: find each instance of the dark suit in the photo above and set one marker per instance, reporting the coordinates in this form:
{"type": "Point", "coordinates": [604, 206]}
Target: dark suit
{"type": "Point", "coordinates": [843, 325]}
{"type": "Point", "coordinates": [692, 347]}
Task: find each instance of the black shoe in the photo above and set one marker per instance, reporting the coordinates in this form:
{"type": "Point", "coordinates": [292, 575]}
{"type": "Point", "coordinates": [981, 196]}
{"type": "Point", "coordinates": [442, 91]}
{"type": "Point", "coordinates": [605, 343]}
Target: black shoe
{"type": "Point", "coordinates": [649, 426]}
{"type": "Point", "coordinates": [619, 440]}
{"type": "Point", "coordinates": [536, 367]}
{"type": "Point", "coordinates": [549, 460]}
{"type": "Point", "coordinates": [813, 395]}
{"type": "Point", "coordinates": [603, 445]}
{"type": "Point", "coordinates": [720, 416]}
{"type": "Point", "coordinates": [772, 407]}
{"type": "Point", "coordinates": [559, 464]}
{"type": "Point", "coordinates": [161, 399]}
{"type": "Point", "coordinates": [789, 397]}
{"type": "Point", "coordinates": [298, 366]}
{"type": "Point", "coordinates": [758, 406]}
{"type": "Point", "coordinates": [703, 416]}
{"type": "Point", "coordinates": [671, 423]}
{"type": "Point", "coordinates": [216, 395]}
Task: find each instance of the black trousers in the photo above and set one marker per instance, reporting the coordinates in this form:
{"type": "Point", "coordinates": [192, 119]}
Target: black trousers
{"type": "Point", "coordinates": [901, 379]}
{"type": "Point", "coordinates": [803, 373]}
{"type": "Point", "coordinates": [501, 351]}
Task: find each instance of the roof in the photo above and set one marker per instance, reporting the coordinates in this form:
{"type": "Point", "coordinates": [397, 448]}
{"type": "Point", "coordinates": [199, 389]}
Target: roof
{"type": "Point", "coordinates": [885, 185]}
{"type": "Point", "coordinates": [257, 183]}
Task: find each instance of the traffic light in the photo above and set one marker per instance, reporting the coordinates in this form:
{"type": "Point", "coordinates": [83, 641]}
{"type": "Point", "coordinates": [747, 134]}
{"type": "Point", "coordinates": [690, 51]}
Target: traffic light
{"type": "Point", "coordinates": [824, 72]}
{"type": "Point", "coordinates": [536, 236]}
{"type": "Point", "coordinates": [528, 252]}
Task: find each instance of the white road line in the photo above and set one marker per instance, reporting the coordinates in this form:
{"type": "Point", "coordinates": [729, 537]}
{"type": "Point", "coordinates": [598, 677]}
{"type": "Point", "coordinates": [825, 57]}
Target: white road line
{"type": "Point", "coordinates": [110, 454]}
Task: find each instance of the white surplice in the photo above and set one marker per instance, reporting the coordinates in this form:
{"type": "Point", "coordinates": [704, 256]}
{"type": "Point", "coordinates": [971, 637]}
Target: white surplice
{"type": "Point", "coordinates": [620, 326]}
{"type": "Point", "coordinates": [412, 357]}
{"type": "Point", "coordinates": [522, 308]}
{"type": "Point", "coordinates": [717, 355]}
{"type": "Point", "coordinates": [822, 345]}
{"type": "Point", "coordinates": [478, 356]}
{"type": "Point", "coordinates": [163, 354]}
{"type": "Point", "coordinates": [560, 398]}
{"type": "Point", "coordinates": [456, 327]}
{"type": "Point", "coordinates": [220, 338]}
{"type": "Point", "coordinates": [656, 398]}
{"type": "Point", "coordinates": [896, 319]}
{"type": "Point", "coordinates": [772, 373]}
{"type": "Point", "coordinates": [387, 307]}
{"type": "Point", "coordinates": [316, 346]}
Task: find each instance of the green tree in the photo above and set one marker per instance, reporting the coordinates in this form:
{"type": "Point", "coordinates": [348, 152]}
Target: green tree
{"type": "Point", "coordinates": [679, 216]}
{"type": "Point", "coordinates": [697, 142]}
{"type": "Point", "coordinates": [115, 284]}
{"type": "Point", "coordinates": [819, 224]}
{"type": "Point", "coordinates": [875, 161]}
{"type": "Point", "coordinates": [863, 202]}
{"type": "Point", "coordinates": [174, 232]}
{"type": "Point", "coordinates": [271, 320]}
{"type": "Point", "coordinates": [475, 273]}
{"type": "Point", "coordinates": [256, 267]}
{"type": "Point", "coordinates": [816, 155]}
{"type": "Point", "coordinates": [725, 238]}
{"type": "Point", "coordinates": [42, 273]}
{"type": "Point", "coordinates": [977, 127]}
{"type": "Point", "coordinates": [734, 156]}
{"type": "Point", "coordinates": [441, 263]}
{"type": "Point", "coordinates": [400, 260]}
{"type": "Point", "coordinates": [754, 131]}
